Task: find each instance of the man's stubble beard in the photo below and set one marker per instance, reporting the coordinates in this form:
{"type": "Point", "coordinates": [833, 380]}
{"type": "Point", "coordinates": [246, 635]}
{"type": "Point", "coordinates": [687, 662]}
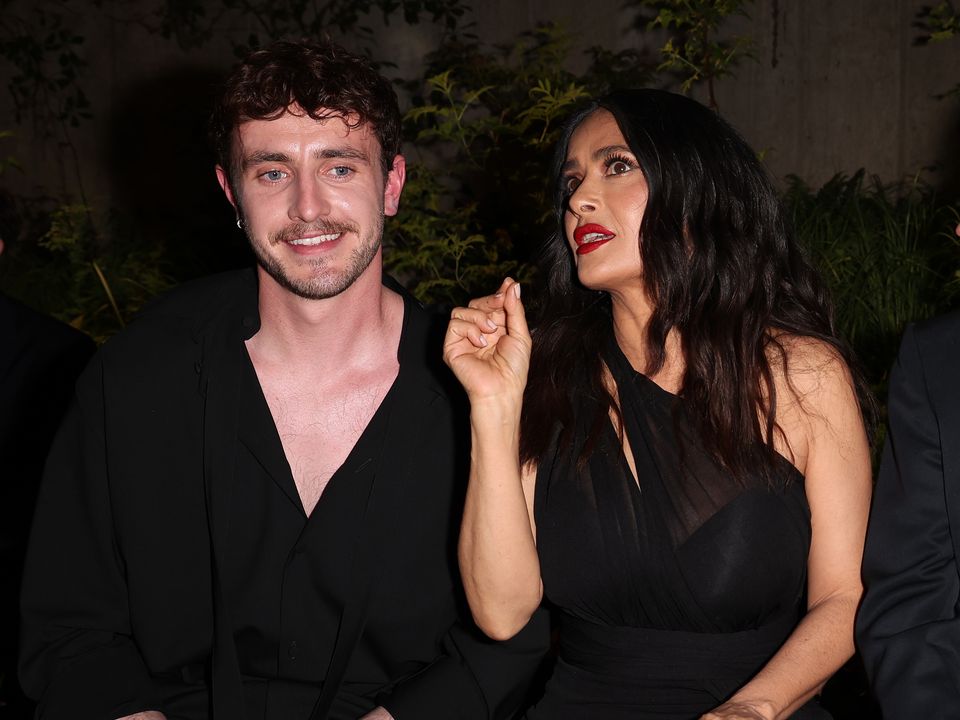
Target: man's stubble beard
{"type": "Point", "coordinates": [321, 285]}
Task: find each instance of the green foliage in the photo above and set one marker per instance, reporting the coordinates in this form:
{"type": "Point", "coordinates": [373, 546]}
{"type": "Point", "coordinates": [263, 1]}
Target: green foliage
{"type": "Point", "coordinates": [72, 275]}
{"type": "Point", "coordinates": [45, 53]}
{"type": "Point", "coordinates": [483, 127]}
{"type": "Point", "coordinates": [442, 251]}
{"type": "Point", "coordinates": [692, 51]}
{"type": "Point", "coordinates": [888, 254]}
{"type": "Point", "coordinates": [938, 23]}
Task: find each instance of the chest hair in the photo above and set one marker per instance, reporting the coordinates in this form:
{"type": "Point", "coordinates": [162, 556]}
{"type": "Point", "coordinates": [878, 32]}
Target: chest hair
{"type": "Point", "coordinates": [319, 423]}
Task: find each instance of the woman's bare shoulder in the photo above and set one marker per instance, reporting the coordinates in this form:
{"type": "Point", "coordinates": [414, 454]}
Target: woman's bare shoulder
{"type": "Point", "coordinates": [811, 370]}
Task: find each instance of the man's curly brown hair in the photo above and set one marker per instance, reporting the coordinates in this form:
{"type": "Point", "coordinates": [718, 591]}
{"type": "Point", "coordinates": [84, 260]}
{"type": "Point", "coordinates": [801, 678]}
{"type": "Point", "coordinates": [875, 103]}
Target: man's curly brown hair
{"type": "Point", "coordinates": [322, 78]}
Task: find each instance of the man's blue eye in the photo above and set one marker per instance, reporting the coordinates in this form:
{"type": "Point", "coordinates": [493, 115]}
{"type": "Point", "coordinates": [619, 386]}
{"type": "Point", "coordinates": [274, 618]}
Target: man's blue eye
{"type": "Point", "coordinates": [273, 175]}
{"type": "Point", "coordinates": [341, 171]}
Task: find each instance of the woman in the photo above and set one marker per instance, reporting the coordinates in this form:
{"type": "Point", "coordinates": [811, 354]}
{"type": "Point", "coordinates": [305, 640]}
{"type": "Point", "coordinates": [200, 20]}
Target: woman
{"type": "Point", "coordinates": [680, 465]}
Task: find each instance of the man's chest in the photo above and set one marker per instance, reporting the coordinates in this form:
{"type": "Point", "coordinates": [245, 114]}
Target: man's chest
{"type": "Point", "coordinates": [318, 425]}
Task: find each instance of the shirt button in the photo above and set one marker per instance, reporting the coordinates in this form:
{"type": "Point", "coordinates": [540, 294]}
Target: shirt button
{"type": "Point", "coordinates": [292, 649]}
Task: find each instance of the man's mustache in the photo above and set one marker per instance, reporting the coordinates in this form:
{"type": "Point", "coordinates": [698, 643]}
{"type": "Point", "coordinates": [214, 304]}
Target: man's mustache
{"type": "Point", "coordinates": [298, 230]}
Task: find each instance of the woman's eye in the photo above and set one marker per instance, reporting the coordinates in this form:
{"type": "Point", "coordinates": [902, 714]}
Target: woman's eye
{"type": "Point", "coordinates": [570, 184]}
{"type": "Point", "coordinates": [618, 167]}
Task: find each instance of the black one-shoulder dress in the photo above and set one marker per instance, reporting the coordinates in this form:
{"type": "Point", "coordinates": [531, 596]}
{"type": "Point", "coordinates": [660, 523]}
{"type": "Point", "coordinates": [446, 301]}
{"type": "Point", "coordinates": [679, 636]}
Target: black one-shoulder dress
{"type": "Point", "coordinates": [671, 591]}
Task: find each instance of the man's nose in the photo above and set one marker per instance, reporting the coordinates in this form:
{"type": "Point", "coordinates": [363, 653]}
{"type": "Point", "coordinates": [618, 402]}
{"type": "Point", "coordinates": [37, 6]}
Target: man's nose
{"type": "Point", "coordinates": [309, 201]}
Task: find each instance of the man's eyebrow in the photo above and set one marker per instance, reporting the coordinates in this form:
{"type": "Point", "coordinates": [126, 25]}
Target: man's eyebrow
{"type": "Point", "coordinates": [597, 154]}
{"type": "Point", "coordinates": [346, 153]}
{"type": "Point", "coordinates": [263, 156]}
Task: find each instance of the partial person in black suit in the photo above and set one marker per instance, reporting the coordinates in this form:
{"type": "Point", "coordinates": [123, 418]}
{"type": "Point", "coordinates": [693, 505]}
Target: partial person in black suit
{"type": "Point", "coordinates": [908, 627]}
{"type": "Point", "coordinates": [40, 360]}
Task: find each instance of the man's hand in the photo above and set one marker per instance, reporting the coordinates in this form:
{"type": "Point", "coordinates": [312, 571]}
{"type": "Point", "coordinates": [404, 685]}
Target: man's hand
{"type": "Point", "coordinates": [378, 714]}
{"type": "Point", "coordinates": [148, 715]}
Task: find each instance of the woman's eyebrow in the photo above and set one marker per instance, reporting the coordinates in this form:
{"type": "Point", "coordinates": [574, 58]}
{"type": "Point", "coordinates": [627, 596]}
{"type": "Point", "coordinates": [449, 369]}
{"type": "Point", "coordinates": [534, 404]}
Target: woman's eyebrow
{"type": "Point", "coordinates": [597, 155]}
{"type": "Point", "coordinates": [604, 151]}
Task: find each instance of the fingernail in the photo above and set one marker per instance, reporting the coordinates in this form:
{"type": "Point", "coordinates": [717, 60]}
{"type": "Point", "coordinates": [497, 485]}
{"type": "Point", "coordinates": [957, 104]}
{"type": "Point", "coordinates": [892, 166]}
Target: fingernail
{"type": "Point", "coordinates": [491, 324]}
{"type": "Point", "coordinates": [516, 289]}
{"type": "Point", "coordinates": [483, 340]}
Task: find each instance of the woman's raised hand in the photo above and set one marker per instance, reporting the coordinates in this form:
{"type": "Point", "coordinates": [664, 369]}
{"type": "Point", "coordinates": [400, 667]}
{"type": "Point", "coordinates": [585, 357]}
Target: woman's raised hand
{"type": "Point", "coordinates": [488, 345]}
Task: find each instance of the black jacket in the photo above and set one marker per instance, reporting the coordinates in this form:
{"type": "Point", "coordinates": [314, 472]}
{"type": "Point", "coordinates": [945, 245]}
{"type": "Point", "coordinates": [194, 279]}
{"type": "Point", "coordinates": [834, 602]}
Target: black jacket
{"type": "Point", "coordinates": [908, 627]}
{"type": "Point", "coordinates": [121, 595]}
{"type": "Point", "coordinates": [40, 360]}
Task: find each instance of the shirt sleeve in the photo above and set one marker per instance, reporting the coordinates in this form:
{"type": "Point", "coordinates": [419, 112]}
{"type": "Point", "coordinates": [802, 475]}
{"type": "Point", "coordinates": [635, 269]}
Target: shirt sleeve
{"type": "Point", "coordinates": [477, 677]}
{"type": "Point", "coordinates": [908, 627]}
{"type": "Point", "coordinates": [77, 655]}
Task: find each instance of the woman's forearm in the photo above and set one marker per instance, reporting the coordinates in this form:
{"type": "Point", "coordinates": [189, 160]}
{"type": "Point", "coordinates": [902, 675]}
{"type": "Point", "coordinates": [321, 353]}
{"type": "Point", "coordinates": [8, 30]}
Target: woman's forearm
{"type": "Point", "coordinates": [817, 648]}
{"type": "Point", "coordinates": [498, 554]}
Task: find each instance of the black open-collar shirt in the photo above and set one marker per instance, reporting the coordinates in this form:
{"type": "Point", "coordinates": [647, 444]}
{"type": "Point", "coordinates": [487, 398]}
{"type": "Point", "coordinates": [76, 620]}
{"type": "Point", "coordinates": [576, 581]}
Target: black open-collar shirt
{"type": "Point", "coordinates": [169, 526]}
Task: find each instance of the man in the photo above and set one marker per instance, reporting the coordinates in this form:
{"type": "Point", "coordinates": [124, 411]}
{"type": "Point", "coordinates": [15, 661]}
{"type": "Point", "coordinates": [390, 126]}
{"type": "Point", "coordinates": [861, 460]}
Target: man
{"type": "Point", "coordinates": [40, 359]}
{"type": "Point", "coordinates": [254, 500]}
{"type": "Point", "coordinates": [908, 627]}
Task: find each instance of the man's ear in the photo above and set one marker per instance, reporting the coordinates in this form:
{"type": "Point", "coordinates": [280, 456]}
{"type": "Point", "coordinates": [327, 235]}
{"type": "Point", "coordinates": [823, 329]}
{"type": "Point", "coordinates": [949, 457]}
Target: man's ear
{"type": "Point", "coordinates": [394, 185]}
{"type": "Point", "coordinates": [224, 179]}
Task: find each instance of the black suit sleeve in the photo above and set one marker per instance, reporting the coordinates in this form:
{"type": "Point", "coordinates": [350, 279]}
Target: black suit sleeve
{"type": "Point", "coordinates": [908, 627]}
{"type": "Point", "coordinates": [477, 677]}
{"type": "Point", "coordinates": [77, 655]}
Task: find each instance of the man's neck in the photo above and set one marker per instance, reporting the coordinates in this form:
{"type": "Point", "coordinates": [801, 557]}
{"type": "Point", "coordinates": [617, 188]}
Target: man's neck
{"type": "Point", "coordinates": [352, 327]}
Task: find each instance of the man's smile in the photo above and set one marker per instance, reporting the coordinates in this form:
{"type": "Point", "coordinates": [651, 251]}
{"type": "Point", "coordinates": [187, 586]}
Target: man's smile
{"type": "Point", "coordinates": [315, 239]}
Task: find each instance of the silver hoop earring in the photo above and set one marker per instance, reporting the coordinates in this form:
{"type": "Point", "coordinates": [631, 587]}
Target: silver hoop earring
{"type": "Point", "coordinates": [239, 223]}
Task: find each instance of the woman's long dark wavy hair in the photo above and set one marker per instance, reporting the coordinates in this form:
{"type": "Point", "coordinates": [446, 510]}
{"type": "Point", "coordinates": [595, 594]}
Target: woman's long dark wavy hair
{"type": "Point", "coordinates": [723, 270]}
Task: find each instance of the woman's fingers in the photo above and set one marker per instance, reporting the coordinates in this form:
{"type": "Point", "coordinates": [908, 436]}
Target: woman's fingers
{"type": "Point", "coordinates": [495, 301]}
{"type": "Point", "coordinates": [459, 329]}
{"type": "Point", "coordinates": [516, 317]}
{"type": "Point", "coordinates": [489, 318]}
{"type": "Point", "coordinates": [488, 321]}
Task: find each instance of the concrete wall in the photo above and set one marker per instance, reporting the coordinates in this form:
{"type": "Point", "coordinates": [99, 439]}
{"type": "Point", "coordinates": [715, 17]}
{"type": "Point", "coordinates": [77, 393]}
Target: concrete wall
{"type": "Point", "coordinates": [841, 85]}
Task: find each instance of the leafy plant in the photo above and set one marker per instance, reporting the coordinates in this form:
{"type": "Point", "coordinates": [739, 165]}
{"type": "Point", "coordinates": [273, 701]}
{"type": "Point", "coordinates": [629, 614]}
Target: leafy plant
{"type": "Point", "coordinates": [74, 277]}
{"type": "Point", "coordinates": [938, 23]}
{"type": "Point", "coordinates": [886, 251]}
{"type": "Point", "coordinates": [692, 51]}
{"type": "Point", "coordinates": [483, 128]}
{"type": "Point", "coordinates": [45, 53]}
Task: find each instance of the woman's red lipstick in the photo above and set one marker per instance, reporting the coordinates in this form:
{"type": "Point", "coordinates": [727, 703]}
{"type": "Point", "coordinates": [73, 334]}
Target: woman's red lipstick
{"type": "Point", "coordinates": [591, 236]}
